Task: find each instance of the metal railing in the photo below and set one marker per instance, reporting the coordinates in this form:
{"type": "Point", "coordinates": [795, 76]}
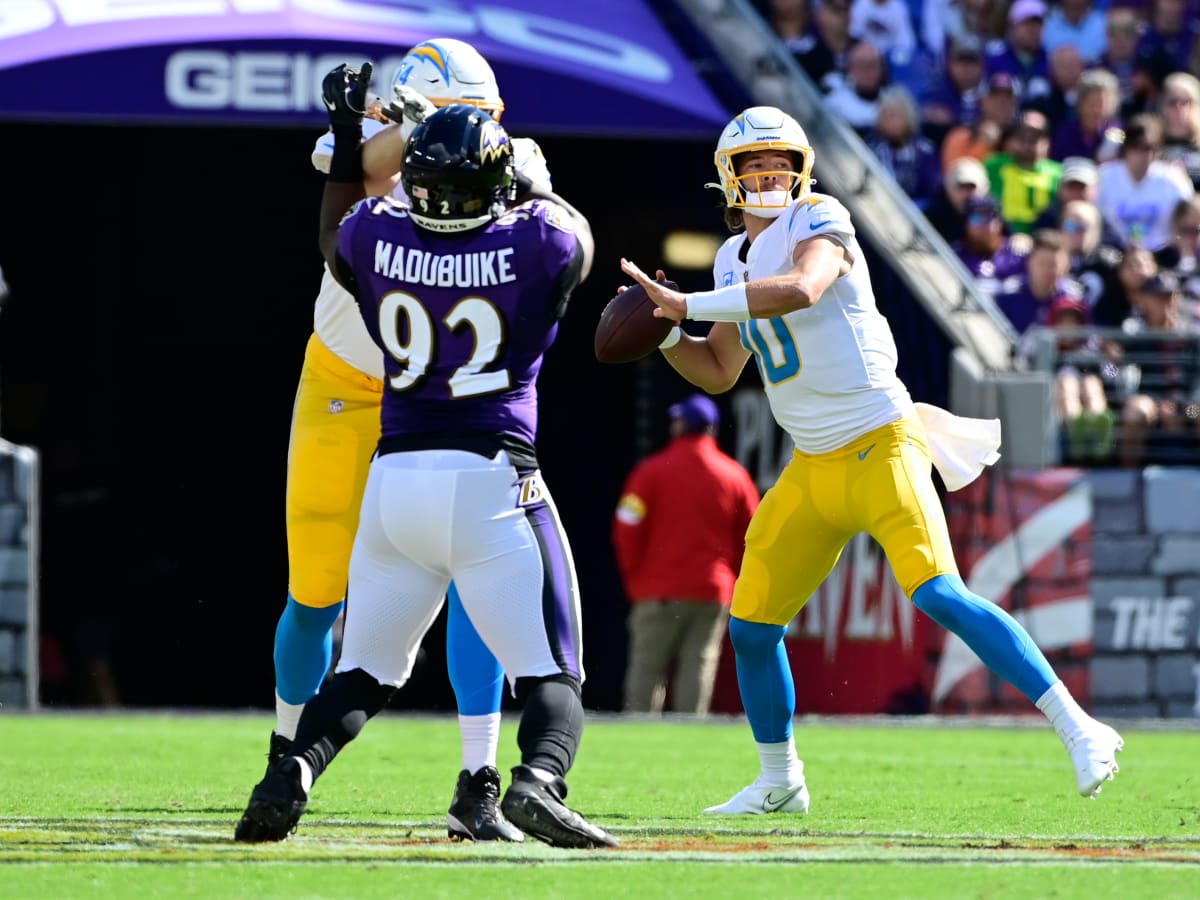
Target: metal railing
{"type": "Point", "coordinates": [1162, 365]}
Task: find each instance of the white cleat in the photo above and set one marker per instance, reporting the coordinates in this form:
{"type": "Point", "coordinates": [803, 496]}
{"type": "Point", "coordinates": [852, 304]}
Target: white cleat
{"type": "Point", "coordinates": [759, 799]}
{"type": "Point", "coordinates": [1094, 754]}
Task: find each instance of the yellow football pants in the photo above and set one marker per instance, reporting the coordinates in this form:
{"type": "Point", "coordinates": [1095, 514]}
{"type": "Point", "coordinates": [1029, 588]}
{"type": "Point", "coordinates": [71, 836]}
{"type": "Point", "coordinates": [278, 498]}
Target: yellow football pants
{"type": "Point", "coordinates": [880, 484]}
{"type": "Point", "coordinates": [335, 427]}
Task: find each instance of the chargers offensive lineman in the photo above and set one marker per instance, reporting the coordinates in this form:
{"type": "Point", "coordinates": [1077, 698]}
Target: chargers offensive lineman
{"type": "Point", "coordinates": [463, 294]}
{"type": "Point", "coordinates": [335, 427]}
{"type": "Point", "coordinates": [793, 291]}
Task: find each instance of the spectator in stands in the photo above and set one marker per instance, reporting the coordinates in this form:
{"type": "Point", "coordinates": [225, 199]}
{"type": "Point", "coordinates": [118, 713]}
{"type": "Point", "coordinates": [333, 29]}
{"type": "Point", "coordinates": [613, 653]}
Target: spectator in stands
{"type": "Point", "coordinates": [790, 20]}
{"type": "Point", "coordinates": [1081, 362]}
{"type": "Point", "coordinates": [887, 24]}
{"type": "Point", "coordinates": [1078, 24]}
{"type": "Point", "coordinates": [1115, 306]}
{"type": "Point", "coordinates": [1181, 123]}
{"type": "Point", "coordinates": [1093, 129]}
{"type": "Point", "coordinates": [1058, 105]}
{"type": "Point", "coordinates": [822, 54]}
{"type": "Point", "coordinates": [1078, 182]}
{"type": "Point", "coordinates": [1122, 26]}
{"type": "Point", "coordinates": [1027, 302]}
{"type": "Point", "coordinates": [954, 96]}
{"type": "Point", "coordinates": [944, 21]}
{"type": "Point", "coordinates": [980, 139]}
{"type": "Point", "coordinates": [1170, 33]}
{"type": "Point", "coordinates": [1093, 260]}
{"type": "Point", "coordinates": [1181, 257]}
{"type": "Point", "coordinates": [1021, 54]}
{"type": "Point", "coordinates": [898, 144]}
{"type": "Point", "coordinates": [1138, 192]}
{"type": "Point", "coordinates": [1164, 413]}
{"type": "Point", "coordinates": [995, 259]}
{"type": "Point", "coordinates": [1024, 178]}
{"type": "Point", "coordinates": [964, 179]}
{"type": "Point", "coordinates": [1150, 71]}
{"type": "Point", "coordinates": [856, 99]}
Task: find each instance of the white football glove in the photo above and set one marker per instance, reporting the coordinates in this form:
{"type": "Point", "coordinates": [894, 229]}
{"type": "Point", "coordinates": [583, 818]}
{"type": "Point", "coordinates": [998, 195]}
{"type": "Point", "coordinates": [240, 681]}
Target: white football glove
{"type": "Point", "coordinates": [409, 108]}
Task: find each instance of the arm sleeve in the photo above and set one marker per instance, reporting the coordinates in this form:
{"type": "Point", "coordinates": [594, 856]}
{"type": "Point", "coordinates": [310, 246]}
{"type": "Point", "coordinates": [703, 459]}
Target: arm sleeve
{"type": "Point", "coordinates": [561, 252]}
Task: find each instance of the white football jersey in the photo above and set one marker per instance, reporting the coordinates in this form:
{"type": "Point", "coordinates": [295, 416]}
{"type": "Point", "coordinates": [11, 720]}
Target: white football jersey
{"type": "Point", "coordinates": [830, 370]}
{"type": "Point", "coordinates": [336, 318]}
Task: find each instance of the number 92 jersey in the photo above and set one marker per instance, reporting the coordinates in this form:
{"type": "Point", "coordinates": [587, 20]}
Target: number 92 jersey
{"type": "Point", "coordinates": [463, 320]}
{"type": "Point", "coordinates": [829, 371]}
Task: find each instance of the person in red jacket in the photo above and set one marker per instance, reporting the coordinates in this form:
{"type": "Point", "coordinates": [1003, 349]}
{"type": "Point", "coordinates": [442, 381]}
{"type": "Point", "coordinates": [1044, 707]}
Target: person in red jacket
{"type": "Point", "coordinates": [680, 591]}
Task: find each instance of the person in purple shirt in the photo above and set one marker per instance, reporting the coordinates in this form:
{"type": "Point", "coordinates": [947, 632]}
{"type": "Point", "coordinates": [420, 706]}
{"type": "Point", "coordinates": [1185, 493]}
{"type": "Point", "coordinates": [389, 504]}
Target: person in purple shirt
{"type": "Point", "coordinates": [1093, 132]}
{"type": "Point", "coordinates": [463, 292]}
{"type": "Point", "coordinates": [995, 259]}
{"type": "Point", "coordinates": [911, 158]}
{"type": "Point", "coordinates": [1170, 33]}
{"type": "Point", "coordinates": [953, 97]}
{"type": "Point", "coordinates": [1022, 55]}
{"type": "Point", "coordinates": [1122, 27]}
{"type": "Point", "coordinates": [1027, 303]}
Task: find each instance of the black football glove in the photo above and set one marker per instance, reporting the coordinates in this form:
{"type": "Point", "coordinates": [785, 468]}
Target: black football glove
{"type": "Point", "coordinates": [344, 91]}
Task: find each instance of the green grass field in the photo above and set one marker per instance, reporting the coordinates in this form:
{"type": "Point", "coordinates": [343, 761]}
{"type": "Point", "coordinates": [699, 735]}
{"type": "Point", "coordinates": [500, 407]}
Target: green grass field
{"type": "Point", "coordinates": [144, 806]}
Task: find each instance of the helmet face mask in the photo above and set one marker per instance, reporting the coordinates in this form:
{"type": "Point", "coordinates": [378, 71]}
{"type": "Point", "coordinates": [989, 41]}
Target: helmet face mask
{"type": "Point", "coordinates": [458, 170]}
{"type": "Point", "coordinates": [448, 71]}
{"type": "Point", "coordinates": [763, 128]}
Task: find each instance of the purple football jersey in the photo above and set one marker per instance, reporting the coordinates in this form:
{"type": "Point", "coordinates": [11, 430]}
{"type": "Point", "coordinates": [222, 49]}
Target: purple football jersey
{"type": "Point", "coordinates": [463, 320]}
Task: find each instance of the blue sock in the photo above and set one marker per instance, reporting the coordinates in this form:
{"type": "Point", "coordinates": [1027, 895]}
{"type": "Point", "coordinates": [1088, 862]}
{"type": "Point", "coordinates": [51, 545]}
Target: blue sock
{"type": "Point", "coordinates": [475, 674]}
{"type": "Point", "coordinates": [996, 637]}
{"type": "Point", "coordinates": [303, 650]}
{"type": "Point", "coordinates": [764, 679]}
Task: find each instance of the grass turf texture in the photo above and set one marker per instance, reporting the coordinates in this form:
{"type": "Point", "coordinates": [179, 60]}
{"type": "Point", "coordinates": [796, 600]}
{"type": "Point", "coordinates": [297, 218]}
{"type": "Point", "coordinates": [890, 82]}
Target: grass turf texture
{"type": "Point", "coordinates": [144, 805]}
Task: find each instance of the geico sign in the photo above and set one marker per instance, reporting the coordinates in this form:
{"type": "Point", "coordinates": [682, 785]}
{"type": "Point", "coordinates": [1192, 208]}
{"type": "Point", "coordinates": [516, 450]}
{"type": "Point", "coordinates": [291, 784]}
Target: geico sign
{"type": "Point", "coordinates": [278, 82]}
{"type": "Point", "coordinates": [541, 35]}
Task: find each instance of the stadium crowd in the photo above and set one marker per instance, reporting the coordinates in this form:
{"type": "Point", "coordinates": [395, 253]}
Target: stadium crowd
{"type": "Point", "coordinates": [1056, 147]}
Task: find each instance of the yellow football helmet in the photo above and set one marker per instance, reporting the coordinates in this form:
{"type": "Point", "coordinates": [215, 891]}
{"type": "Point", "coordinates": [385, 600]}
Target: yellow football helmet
{"type": "Point", "coordinates": [762, 128]}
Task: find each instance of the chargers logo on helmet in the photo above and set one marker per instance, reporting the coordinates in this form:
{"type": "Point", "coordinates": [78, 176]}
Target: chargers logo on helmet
{"type": "Point", "coordinates": [493, 142]}
{"type": "Point", "coordinates": [431, 53]}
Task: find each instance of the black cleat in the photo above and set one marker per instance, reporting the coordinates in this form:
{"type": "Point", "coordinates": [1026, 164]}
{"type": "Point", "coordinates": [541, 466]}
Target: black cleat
{"type": "Point", "coordinates": [276, 805]}
{"type": "Point", "coordinates": [537, 808]}
{"type": "Point", "coordinates": [474, 813]}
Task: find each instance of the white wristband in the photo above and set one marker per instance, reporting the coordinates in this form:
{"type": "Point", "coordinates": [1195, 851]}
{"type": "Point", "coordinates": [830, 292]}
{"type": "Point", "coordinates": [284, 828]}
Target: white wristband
{"type": "Point", "coordinates": [673, 337]}
{"type": "Point", "coordinates": [727, 304]}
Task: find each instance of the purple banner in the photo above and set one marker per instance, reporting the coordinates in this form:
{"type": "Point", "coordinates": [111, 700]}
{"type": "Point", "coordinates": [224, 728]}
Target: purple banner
{"type": "Point", "coordinates": [600, 67]}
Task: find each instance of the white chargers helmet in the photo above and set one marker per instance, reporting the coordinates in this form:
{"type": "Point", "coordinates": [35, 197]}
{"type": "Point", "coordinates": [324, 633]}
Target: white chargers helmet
{"type": "Point", "coordinates": [447, 71]}
{"type": "Point", "coordinates": [762, 128]}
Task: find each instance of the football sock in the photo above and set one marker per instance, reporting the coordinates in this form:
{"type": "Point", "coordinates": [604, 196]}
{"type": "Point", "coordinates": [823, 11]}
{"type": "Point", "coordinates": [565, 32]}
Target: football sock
{"type": "Point", "coordinates": [303, 650]}
{"type": "Point", "coordinates": [480, 738]}
{"type": "Point", "coordinates": [551, 722]}
{"type": "Point", "coordinates": [475, 673]}
{"type": "Point", "coordinates": [780, 765]}
{"type": "Point", "coordinates": [1065, 715]}
{"type": "Point", "coordinates": [306, 774]}
{"type": "Point", "coordinates": [287, 717]}
{"type": "Point", "coordinates": [996, 637]}
{"type": "Point", "coordinates": [764, 679]}
{"type": "Point", "coordinates": [335, 716]}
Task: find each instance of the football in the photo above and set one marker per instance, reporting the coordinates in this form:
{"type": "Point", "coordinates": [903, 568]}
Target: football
{"type": "Point", "coordinates": [628, 329]}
